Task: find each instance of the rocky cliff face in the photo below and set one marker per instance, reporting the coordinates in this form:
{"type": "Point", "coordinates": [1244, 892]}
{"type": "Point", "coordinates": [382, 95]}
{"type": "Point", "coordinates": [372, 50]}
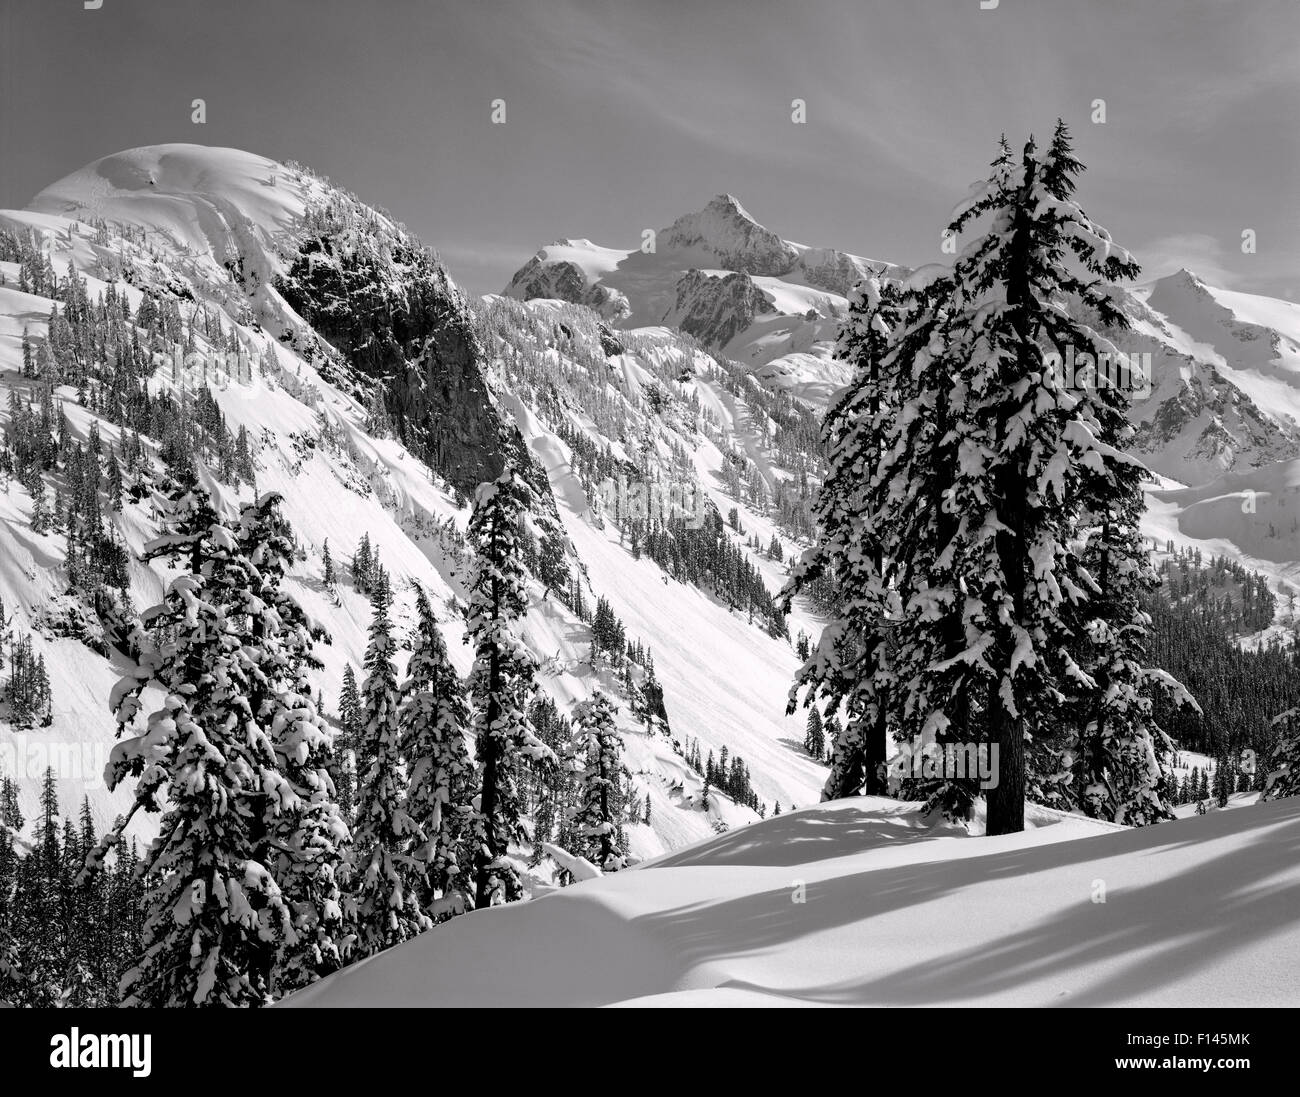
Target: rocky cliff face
{"type": "Point", "coordinates": [389, 309]}
{"type": "Point", "coordinates": [715, 308]}
{"type": "Point", "coordinates": [1206, 426]}
{"type": "Point", "coordinates": [837, 271]}
{"type": "Point", "coordinates": [565, 281]}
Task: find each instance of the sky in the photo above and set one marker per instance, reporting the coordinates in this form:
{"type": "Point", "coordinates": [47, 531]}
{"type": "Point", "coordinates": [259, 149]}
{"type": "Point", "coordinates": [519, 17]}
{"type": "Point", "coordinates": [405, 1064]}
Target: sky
{"type": "Point", "coordinates": [621, 116]}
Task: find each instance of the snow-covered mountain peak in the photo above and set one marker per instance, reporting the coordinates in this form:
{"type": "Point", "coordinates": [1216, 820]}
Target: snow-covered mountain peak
{"type": "Point", "coordinates": [1185, 275]}
{"type": "Point", "coordinates": [725, 231]}
{"type": "Point", "coordinates": [187, 192]}
{"type": "Point", "coordinates": [730, 205]}
{"type": "Point", "coordinates": [167, 168]}
{"type": "Point", "coordinates": [1181, 281]}
{"type": "Point", "coordinates": [726, 280]}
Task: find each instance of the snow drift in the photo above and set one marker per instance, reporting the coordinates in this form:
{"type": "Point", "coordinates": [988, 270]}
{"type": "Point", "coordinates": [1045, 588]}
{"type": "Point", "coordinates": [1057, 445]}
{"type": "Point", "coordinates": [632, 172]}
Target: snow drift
{"type": "Point", "coordinates": [864, 902]}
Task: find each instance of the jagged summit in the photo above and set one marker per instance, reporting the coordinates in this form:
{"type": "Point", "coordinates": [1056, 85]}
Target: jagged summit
{"type": "Point", "coordinates": [726, 231]}
{"type": "Point", "coordinates": [1184, 278]}
{"type": "Point", "coordinates": [731, 204]}
{"type": "Point", "coordinates": [723, 278]}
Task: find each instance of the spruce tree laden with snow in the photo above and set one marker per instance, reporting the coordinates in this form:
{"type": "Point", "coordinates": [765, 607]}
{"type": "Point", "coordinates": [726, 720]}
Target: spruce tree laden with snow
{"type": "Point", "coordinates": [434, 719]}
{"type": "Point", "coordinates": [302, 834]}
{"type": "Point", "coordinates": [12, 980]}
{"type": "Point", "coordinates": [552, 567]}
{"type": "Point", "coordinates": [346, 742]}
{"type": "Point", "coordinates": [1283, 766]}
{"type": "Point", "coordinates": [963, 471]}
{"type": "Point", "coordinates": [850, 664]}
{"type": "Point", "coordinates": [598, 815]}
{"type": "Point", "coordinates": [1059, 277]}
{"type": "Point", "coordinates": [213, 909]}
{"type": "Point", "coordinates": [814, 740]}
{"type": "Point", "coordinates": [552, 782]}
{"type": "Point", "coordinates": [1115, 758]}
{"type": "Point", "coordinates": [384, 877]}
{"type": "Point", "coordinates": [327, 565]}
{"type": "Point", "coordinates": [362, 564]}
{"type": "Point", "coordinates": [500, 683]}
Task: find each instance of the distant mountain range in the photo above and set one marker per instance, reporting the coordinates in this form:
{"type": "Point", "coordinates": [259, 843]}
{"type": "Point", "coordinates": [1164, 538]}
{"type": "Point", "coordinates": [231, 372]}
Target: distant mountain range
{"type": "Point", "coordinates": [1225, 366]}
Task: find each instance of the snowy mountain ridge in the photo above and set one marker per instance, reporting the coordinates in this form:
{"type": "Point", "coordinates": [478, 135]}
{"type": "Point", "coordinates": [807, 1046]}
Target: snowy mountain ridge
{"type": "Point", "coordinates": [720, 276]}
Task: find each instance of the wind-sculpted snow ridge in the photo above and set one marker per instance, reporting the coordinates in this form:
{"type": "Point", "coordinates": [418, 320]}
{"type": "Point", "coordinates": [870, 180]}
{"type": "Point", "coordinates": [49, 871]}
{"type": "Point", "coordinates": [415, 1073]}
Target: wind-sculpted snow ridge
{"type": "Point", "coordinates": [850, 903]}
{"type": "Point", "coordinates": [373, 396]}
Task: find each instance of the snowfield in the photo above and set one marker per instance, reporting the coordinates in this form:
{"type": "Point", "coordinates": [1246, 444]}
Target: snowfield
{"type": "Point", "coordinates": [864, 902]}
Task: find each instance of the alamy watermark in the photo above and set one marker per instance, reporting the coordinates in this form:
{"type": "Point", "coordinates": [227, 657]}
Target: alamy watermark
{"type": "Point", "coordinates": [946, 761]}
{"type": "Point", "coordinates": [196, 371]}
{"type": "Point", "coordinates": [654, 501]}
{"type": "Point", "coordinates": [1083, 371]}
{"type": "Point", "coordinates": [28, 757]}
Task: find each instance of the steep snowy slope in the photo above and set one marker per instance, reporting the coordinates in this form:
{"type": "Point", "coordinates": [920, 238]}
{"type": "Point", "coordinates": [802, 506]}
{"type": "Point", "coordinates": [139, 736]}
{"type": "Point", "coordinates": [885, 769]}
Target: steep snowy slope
{"type": "Point", "coordinates": [321, 298]}
{"type": "Point", "coordinates": [170, 242]}
{"type": "Point", "coordinates": [858, 902]}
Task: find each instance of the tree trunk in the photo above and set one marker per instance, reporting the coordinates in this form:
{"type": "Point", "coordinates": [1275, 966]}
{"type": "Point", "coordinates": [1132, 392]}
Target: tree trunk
{"type": "Point", "coordinates": [1006, 799]}
{"type": "Point", "coordinates": [875, 755]}
{"type": "Point", "coordinates": [488, 798]}
{"type": "Point", "coordinates": [488, 804]}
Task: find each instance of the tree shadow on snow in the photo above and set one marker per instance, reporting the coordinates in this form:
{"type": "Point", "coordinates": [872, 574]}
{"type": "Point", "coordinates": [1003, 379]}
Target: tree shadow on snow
{"type": "Point", "coordinates": [813, 834]}
{"type": "Point", "coordinates": [1144, 937]}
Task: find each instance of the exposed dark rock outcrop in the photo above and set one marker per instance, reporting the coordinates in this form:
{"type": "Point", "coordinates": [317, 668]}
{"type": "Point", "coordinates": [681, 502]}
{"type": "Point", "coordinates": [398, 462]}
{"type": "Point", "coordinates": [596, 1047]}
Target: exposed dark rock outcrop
{"type": "Point", "coordinates": [565, 281]}
{"type": "Point", "coordinates": [398, 321]}
{"type": "Point", "coordinates": [715, 308]}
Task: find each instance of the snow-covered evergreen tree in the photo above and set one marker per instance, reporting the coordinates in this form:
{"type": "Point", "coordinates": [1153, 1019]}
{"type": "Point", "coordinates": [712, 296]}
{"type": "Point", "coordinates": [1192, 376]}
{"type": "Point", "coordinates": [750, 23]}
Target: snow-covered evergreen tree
{"type": "Point", "coordinates": [814, 740]}
{"type": "Point", "coordinates": [327, 565]}
{"type": "Point", "coordinates": [500, 684]}
{"type": "Point", "coordinates": [384, 877]}
{"type": "Point", "coordinates": [964, 469]}
{"type": "Point", "coordinates": [302, 835]}
{"type": "Point", "coordinates": [597, 823]}
{"type": "Point", "coordinates": [12, 980]}
{"type": "Point", "coordinates": [1118, 758]}
{"type": "Point", "coordinates": [434, 720]}
{"type": "Point", "coordinates": [213, 909]}
{"type": "Point", "coordinates": [363, 562]}
{"type": "Point", "coordinates": [1283, 776]}
{"type": "Point", "coordinates": [849, 667]}
{"type": "Point", "coordinates": [1112, 760]}
{"type": "Point", "coordinates": [346, 742]}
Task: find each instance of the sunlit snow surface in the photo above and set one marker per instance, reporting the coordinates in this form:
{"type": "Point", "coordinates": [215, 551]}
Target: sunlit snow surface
{"type": "Point", "coordinates": [896, 911]}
